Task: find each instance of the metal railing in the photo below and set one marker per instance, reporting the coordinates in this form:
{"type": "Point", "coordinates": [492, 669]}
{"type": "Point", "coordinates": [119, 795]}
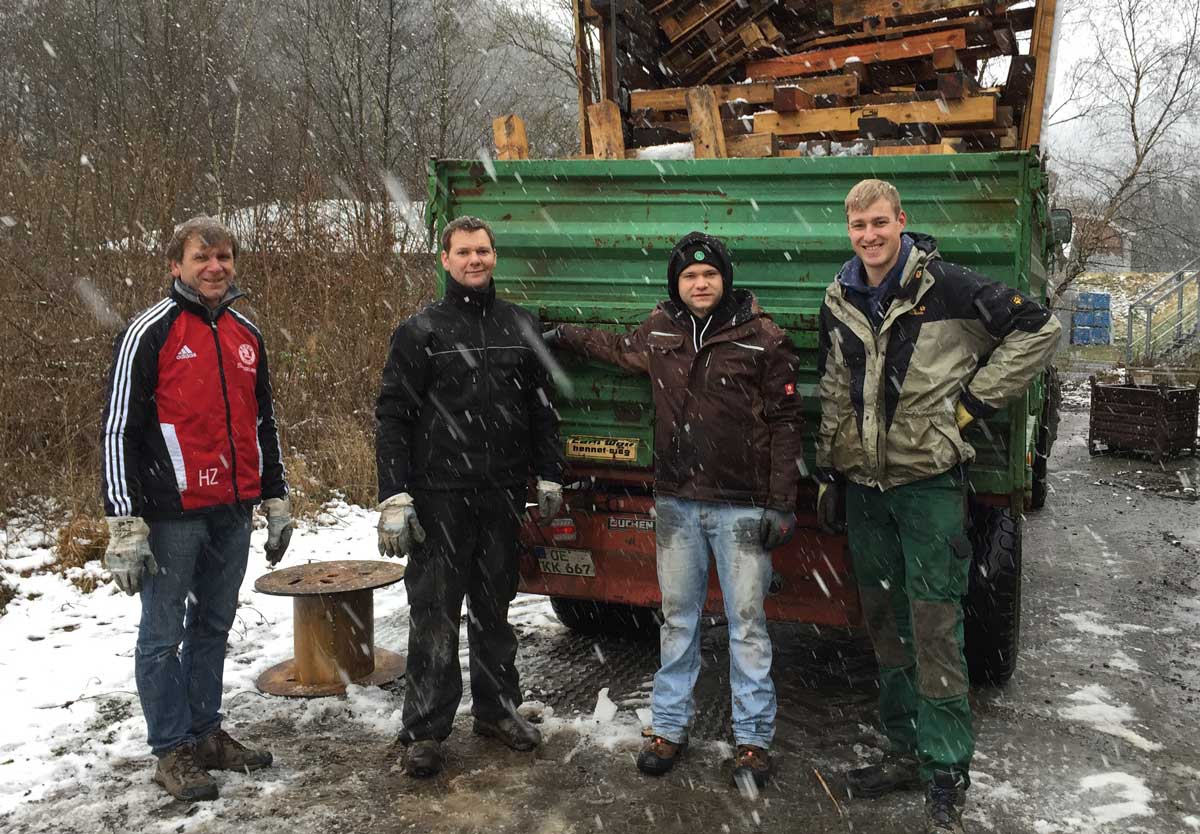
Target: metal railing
{"type": "Point", "coordinates": [1164, 317]}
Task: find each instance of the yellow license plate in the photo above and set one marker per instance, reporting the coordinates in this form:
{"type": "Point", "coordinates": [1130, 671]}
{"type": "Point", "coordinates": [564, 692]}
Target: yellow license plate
{"type": "Point", "coordinates": [602, 448]}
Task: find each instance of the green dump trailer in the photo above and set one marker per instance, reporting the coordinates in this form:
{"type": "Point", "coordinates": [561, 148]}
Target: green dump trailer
{"type": "Point", "coordinates": [586, 242]}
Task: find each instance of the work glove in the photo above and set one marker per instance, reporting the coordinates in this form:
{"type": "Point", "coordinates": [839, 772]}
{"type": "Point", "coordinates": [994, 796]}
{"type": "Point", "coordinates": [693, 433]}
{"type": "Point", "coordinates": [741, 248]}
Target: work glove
{"type": "Point", "coordinates": [549, 499]}
{"type": "Point", "coordinates": [279, 527]}
{"type": "Point", "coordinates": [552, 337]}
{"type": "Point", "coordinates": [399, 528]}
{"type": "Point", "coordinates": [828, 496]}
{"type": "Point", "coordinates": [776, 528]}
{"type": "Point", "coordinates": [128, 552]}
{"type": "Point", "coordinates": [962, 416]}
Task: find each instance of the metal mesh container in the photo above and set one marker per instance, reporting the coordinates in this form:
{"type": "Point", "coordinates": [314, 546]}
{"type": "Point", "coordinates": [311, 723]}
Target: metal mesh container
{"type": "Point", "coordinates": [1159, 420]}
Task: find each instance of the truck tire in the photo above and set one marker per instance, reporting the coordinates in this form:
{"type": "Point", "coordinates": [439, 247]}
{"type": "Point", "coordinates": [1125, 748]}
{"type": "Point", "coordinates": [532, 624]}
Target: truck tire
{"type": "Point", "coordinates": [611, 619]}
{"type": "Point", "coordinates": [992, 607]}
{"type": "Point", "coordinates": [1047, 433]}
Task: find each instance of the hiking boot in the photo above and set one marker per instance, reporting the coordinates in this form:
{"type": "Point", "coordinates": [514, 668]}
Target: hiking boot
{"type": "Point", "coordinates": [944, 800]}
{"type": "Point", "coordinates": [752, 762]}
{"type": "Point", "coordinates": [423, 759]}
{"type": "Point", "coordinates": [895, 772]}
{"type": "Point", "coordinates": [658, 755]}
{"type": "Point", "coordinates": [180, 774]}
{"type": "Point", "coordinates": [514, 731]}
{"type": "Point", "coordinates": [220, 751]}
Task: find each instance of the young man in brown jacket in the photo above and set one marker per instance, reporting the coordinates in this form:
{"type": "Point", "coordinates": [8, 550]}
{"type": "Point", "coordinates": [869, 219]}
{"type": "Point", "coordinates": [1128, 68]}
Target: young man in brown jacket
{"type": "Point", "coordinates": [727, 443]}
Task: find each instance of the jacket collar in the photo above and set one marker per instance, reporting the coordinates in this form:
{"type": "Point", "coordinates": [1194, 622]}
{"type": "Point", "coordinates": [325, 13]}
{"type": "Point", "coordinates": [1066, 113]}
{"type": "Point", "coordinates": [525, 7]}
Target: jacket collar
{"type": "Point", "coordinates": [739, 307]}
{"type": "Point", "coordinates": [470, 300]}
{"type": "Point", "coordinates": [189, 299]}
{"type": "Point", "coordinates": [916, 249]}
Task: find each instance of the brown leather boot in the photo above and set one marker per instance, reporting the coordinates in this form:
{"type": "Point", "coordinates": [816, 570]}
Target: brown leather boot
{"type": "Point", "coordinates": [182, 777]}
{"type": "Point", "coordinates": [752, 762]}
{"type": "Point", "coordinates": [220, 751]}
{"type": "Point", "coordinates": [658, 755]}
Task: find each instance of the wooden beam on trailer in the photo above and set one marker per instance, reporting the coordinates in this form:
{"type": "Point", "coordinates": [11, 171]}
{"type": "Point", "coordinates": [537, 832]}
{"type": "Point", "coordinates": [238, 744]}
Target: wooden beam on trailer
{"type": "Point", "coordinates": [509, 134]}
{"type": "Point", "coordinates": [849, 12]}
{"type": "Point", "coordinates": [759, 92]}
{"type": "Point", "coordinates": [708, 134]}
{"type": "Point", "coordinates": [753, 145]}
{"type": "Point", "coordinates": [1040, 45]}
{"type": "Point", "coordinates": [968, 110]}
{"type": "Point", "coordinates": [608, 139]}
{"type": "Point", "coordinates": [943, 147]}
{"type": "Point", "coordinates": [835, 58]}
{"type": "Point", "coordinates": [583, 74]}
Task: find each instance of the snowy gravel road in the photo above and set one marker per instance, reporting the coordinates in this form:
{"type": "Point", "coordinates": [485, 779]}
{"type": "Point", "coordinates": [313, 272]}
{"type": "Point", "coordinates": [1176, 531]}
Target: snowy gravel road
{"type": "Point", "coordinates": [1099, 731]}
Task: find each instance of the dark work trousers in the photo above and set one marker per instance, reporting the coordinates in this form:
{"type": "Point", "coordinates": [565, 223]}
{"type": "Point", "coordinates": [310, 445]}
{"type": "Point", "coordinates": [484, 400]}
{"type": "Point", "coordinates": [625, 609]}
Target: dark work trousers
{"type": "Point", "coordinates": [470, 550]}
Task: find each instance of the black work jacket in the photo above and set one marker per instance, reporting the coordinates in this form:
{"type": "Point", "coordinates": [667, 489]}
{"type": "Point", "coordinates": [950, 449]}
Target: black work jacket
{"type": "Point", "coordinates": [465, 401]}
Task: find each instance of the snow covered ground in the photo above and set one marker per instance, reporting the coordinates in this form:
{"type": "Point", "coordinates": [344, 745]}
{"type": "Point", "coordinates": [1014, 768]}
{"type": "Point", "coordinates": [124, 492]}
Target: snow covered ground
{"type": "Point", "coordinates": [1089, 737]}
{"type": "Point", "coordinates": [71, 714]}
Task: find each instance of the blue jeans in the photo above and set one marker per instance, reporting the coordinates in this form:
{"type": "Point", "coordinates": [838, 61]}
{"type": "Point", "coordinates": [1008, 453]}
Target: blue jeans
{"type": "Point", "coordinates": [187, 610]}
{"type": "Point", "coordinates": [686, 532]}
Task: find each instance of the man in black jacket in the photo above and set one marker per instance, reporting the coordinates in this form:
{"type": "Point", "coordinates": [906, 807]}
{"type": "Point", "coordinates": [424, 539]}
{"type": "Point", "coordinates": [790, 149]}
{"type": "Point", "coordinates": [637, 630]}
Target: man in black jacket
{"type": "Point", "coordinates": [464, 418]}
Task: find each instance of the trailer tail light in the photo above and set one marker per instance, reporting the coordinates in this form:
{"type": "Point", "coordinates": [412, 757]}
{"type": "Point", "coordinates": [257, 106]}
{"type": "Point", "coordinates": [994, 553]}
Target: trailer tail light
{"type": "Point", "coordinates": [563, 530]}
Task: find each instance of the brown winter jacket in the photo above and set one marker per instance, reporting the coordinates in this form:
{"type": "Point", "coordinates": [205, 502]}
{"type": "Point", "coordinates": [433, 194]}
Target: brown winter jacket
{"type": "Point", "coordinates": [727, 418]}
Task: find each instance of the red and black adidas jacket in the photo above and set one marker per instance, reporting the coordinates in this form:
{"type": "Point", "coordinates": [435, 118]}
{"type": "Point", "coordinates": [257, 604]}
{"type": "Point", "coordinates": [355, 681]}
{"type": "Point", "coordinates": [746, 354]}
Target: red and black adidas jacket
{"type": "Point", "coordinates": [189, 423]}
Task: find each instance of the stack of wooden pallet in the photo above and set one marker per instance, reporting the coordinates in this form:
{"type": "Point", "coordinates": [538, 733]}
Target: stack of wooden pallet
{"type": "Point", "coordinates": [800, 77]}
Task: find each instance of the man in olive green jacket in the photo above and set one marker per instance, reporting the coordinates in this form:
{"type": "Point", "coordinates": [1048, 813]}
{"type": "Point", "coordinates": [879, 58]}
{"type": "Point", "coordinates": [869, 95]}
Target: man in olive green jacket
{"type": "Point", "coordinates": [911, 350]}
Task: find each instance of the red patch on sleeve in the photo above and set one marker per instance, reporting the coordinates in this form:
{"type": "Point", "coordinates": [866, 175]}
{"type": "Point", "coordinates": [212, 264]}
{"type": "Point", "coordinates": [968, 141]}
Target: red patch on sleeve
{"type": "Point", "coordinates": [789, 390]}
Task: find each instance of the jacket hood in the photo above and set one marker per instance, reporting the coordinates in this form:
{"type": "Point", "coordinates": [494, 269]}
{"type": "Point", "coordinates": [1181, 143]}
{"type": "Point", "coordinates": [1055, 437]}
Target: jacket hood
{"type": "Point", "coordinates": [698, 247]}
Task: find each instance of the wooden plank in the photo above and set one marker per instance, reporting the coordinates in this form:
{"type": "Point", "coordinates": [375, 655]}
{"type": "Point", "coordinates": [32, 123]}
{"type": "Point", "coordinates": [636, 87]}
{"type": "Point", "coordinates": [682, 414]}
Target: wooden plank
{"type": "Point", "coordinates": [943, 147]}
{"type": "Point", "coordinates": [583, 74]}
{"type": "Point", "coordinates": [945, 58]}
{"type": "Point", "coordinates": [1039, 49]}
{"type": "Point", "coordinates": [969, 110]}
{"type": "Point", "coordinates": [678, 28]}
{"type": "Point", "coordinates": [509, 133]}
{"type": "Point", "coordinates": [849, 12]}
{"type": "Point", "coordinates": [760, 92]}
{"type": "Point", "coordinates": [708, 134]}
{"type": "Point", "coordinates": [790, 99]}
{"type": "Point", "coordinates": [825, 60]}
{"type": "Point", "coordinates": [753, 145]}
{"type": "Point", "coordinates": [608, 141]}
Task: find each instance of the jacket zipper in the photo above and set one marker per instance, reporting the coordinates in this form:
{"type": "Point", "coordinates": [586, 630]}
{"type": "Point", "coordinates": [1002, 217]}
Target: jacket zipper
{"type": "Point", "coordinates": [487, 386]}
{"type": "Point", "coordinates": [228, 413]}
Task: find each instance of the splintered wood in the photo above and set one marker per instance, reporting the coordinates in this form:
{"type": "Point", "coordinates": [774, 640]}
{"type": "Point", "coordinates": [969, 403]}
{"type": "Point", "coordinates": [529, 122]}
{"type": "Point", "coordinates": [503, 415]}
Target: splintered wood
{"type": "Point", "coordinates": [786, 78]}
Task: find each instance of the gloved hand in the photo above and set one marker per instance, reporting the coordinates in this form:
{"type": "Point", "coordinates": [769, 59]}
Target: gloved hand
{"type": "Point", "coordinates": [279, 527]}
{"type": "Point", "coordinates": [552, 337]}
{"type": "Point", "coordinates": [828, 496]}
{"type": "Point", "coordinates": [776, 528]}
{"type": "Point", "coordinates": [128, 552]}
{"type": "Point", "coordinates": [962, 416]}
{"type": "Point", "coordinates": [549, 499]}
{"type": "Point", "coordinates": [399, 528]}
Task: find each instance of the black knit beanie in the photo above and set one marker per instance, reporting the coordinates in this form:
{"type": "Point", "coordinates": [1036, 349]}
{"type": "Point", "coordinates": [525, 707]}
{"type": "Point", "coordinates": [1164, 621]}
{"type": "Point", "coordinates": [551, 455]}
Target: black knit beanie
{"type": "Point", "coordinates": [697, 247]}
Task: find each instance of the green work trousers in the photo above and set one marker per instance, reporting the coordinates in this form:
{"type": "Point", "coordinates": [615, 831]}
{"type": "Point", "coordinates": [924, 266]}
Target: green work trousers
{"type": "Point", "coordinates": [911, 560]}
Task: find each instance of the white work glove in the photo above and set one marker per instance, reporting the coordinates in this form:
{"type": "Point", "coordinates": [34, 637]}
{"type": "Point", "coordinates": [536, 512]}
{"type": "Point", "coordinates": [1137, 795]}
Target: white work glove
{"type": "Point", "coordinates": [549, 499]}
{"type": "Point", "coordinates": [399, 528]}
{"type": "Point", "coordinates": [128, 552]}
{"type": "Point", "coordinates": [279, 527]}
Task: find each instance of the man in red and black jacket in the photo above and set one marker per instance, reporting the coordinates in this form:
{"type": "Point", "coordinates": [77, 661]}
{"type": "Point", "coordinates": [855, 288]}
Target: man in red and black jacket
{"type": "Point", "coordinates": [188, 447]}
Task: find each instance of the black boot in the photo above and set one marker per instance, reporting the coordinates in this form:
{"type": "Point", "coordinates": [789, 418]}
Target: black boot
{"type": "Point", "coordinates": [423, 759]}
{"type": "Point", "coordinates": [894, 772]}
{"type": "Point", "coordinates": [944, 800]}
{"type": "Point", "coordinates": [514, 731]}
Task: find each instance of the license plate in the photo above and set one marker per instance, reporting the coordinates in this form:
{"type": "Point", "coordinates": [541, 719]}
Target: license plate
{"type": "Point", "coordinates": [564, 561]}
